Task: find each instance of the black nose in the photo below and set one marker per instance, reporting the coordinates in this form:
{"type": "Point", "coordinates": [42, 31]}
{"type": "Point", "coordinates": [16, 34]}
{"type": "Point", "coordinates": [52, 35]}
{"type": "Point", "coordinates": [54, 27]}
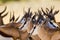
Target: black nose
{"type": "Point", "coordinates": [30, 38]}
{"type": "Point", "coordinates": [34, 27]}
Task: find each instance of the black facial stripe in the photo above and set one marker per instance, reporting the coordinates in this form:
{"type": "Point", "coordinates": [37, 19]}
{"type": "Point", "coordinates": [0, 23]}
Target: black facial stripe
{"type": "Point", "coordinates": [52, 24]}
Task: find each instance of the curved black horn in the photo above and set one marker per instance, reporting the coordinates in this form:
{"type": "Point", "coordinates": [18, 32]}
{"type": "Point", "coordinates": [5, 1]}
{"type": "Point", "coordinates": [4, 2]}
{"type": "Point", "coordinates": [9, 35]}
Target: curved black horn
{"type": "Point", "coordinates": [43, 11]}
{"type": "Point", "coordinates": [39, 12]}
{"type": "Point", "coordinates": [28, 10]}
{"type": "Point", "coordinates": [30, 14]}
{"type": "Point", "coordinates": [51, 10]}
{"type": "Point", "coordinates": [47, 10]}
{"type": "Point", "coordinates": [4, 15]}
{"type": "Point", "coordinates": [17, 18]}
{"type": "Point", "coordinates": [3, 10]}
{"type": "Point", "coordinates": [56, 12]}
{"type": "Point", "coordinates": [13, 18]}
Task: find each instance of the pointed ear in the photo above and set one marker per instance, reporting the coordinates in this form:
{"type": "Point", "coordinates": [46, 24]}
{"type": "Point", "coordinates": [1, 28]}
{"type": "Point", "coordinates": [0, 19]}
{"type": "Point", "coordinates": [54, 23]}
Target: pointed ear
{"type": "Point", "coordinates": [28, 10]}
{"type": "Point", "coordinates": [39, 11]}
{"type": "Point", "coordinates": [4, 15]}
{"type": "Point", "coordinates": [3, 10]}
{"type": "Point", "coordinates": [10, 19]}
{"type": "Point", "coordinates": [24, 12]}
{"type": "Point", "coordinates": [47, 10]}
{"type": "Point", "coordinates": [31, 14]}
{"type": "Point", "coordinates": [56, 12]}
{"type": "Point", "coordinates": [51, 10]}
{"type": "Point", "coordinates": [13, 18]}
{"type": "Point", "coordinates": [43, 11]}
{"type": "Point", "coordinates": [17, 18]}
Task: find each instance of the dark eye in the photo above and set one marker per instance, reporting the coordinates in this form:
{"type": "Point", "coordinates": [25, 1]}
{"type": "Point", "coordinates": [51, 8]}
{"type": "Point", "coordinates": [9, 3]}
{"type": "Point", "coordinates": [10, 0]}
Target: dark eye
{"type": "Point", "coordinates": [33, 19]}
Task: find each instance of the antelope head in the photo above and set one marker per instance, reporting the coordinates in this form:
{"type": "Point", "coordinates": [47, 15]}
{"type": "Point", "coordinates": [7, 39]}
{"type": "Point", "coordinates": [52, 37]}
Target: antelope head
{"type": "Point", "coordinates": [26, 16]}
{"type": "Point", "coordinates": [50, 25]}
{"type": "Point", "coordinates": [50, 13]}
{"type": "Point", "coordinates": [40, 17]}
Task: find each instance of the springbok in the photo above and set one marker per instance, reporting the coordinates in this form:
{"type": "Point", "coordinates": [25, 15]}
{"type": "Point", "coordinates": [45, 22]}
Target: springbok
{"type": "Point", "coordinates": [56, 35]}
{"type": "Point", "coordinates": [22, 21]}
{"type": "Point", "coordinates": [40, 17]}
{"type": "Point", "coordinates": [11, 29]}
{"type": "Point", "coordinates": [46, 29]}
{"type": "Point", "coordinates": [8, 26]}
{"type": "Point", "coordinates": [25, 33]}
{"type": "Point", "coordinates": [42, 32]}
{"type": "Point", "coordinates": [28, 26]}
{"type": "Point", "coordinates": [34, 34]}
{"type": "Point", "coordinates": [50, 14]}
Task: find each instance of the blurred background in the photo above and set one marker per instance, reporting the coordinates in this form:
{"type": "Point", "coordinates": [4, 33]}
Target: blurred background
{"type": "Point", "coordinates": [19, 6]}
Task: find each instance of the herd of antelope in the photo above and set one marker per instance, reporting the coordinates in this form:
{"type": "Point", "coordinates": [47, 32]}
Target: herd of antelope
{"type": "Point", "coordinates": [38, 26]}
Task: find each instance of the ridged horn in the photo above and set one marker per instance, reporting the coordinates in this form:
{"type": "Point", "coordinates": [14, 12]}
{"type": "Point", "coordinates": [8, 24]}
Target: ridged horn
{"type": "Point", "coordinates": [3, 10]}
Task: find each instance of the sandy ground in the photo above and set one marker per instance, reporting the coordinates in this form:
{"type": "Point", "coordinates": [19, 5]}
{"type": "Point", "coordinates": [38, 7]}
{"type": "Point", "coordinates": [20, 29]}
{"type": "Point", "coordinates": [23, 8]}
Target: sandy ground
{"type": "Point", "coordinates": [19, 7]}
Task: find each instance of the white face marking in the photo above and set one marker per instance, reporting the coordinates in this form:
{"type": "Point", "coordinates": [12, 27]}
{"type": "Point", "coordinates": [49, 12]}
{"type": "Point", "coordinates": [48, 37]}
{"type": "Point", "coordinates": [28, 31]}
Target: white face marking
{"type": "Point", "coordinates": [35, 31]}
{"type": "Point", "coordinates": [23, 21]}
{"type": "Point", "coordinates": [37, 28]}
{"type": "Point", "coordinates": [44, 16]}
{"type": "Point", "coordinates": [51, 26]}
{"type": "Point", "coordinates": [55, 24]}
{"type": "Point", "coordinates": [31, 31]}
{"type": "Point", "coordinates": [21, 25]}
{"type": "Point", "coordinates": [36, 17]}
{"type": "Point", "coordinates": [25, 26]}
